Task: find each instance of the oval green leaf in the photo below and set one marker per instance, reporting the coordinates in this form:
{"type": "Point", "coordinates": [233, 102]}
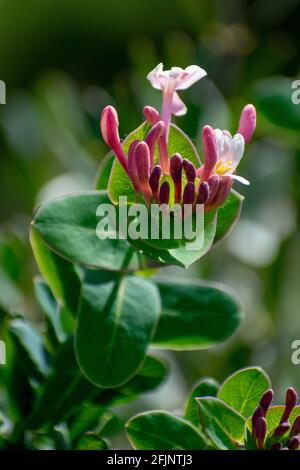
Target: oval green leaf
{"type": "Point", "coordinates": [243, 390]}
{"type": "Point", "coordinates": [117, 320]}
{"type": "Point", "coordinates": [158, 430]}
{"type": "Point", "coordinates": [195, 315]}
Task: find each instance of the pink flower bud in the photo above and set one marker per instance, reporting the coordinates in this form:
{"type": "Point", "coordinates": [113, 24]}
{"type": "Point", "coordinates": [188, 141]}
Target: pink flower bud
{"type": "Point", "coordinates": [164, 193]}
{"type": "Point", "coordinates": [176, 175]}
{"type": "Point", "coordinates": [190, 170]}
{"type": "Point", "coordinates": [109, 125]}
{"type": "Point", "coordinates": [213, 183]}
{"type": "Point", "coordinates": [154, 181]}
{"type": "Point", "coordinates": [152, 138]}
{"type": "Point", "coordinates": [132, 170]}
{"type": "Point", "coordinates": [247, 122]}
{"type": "Point", "coordinates": [203, 193]}
{"type": "Point", "coordinates": [266, 400]}
{"type": "Point", "coordinates": [210, 152]}
{"type": "Point", "coordinates": [223, 191]}
{"type": "Point", "coordinates": [142, 161]}
{"type": "Point", "coordinates": [151, 115]}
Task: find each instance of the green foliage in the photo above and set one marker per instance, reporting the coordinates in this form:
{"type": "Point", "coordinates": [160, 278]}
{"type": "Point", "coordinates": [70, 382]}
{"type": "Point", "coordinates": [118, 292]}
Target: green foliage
{"type": "Point", "coordinates": [195, 315]}
{"type": "Point", "coordinates": [162, 431]}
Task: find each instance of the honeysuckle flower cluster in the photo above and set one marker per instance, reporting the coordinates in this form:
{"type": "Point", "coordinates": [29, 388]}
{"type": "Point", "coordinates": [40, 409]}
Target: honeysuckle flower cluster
{"type": "Point", "coordinates": [209, 184]}
{"type": "Point", "coordinates": [286, 435]}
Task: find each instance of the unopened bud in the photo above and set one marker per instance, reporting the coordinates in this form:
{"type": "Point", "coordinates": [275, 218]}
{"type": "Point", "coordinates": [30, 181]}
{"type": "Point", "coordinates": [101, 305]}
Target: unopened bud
{"type": "Point", "coordinates": [176, 175]}
{"type": "Point", "coordinates": [164, 193]}
{"type": "Point", "coordinates": [152, 138]}
{"type": "Point", "coordinates": [281, 429]}
{"type": "Point", "coordinates": [258, 413]}
{"type": "Point", "coordinates": [188, 193]}
{"type": "Point", "coordinates": [291, 399]}
{"type": "Point", "coordinates": [154, 181]}
{"type": "Point", "coordinates": [210, 152]}
{"type": "Point", "coordinates": [260, 431]}
{"type": "Point", "coordinates": [132, 170]}
{"type": "Point", "coordinates": [296, 427]}
{"type": "Point", "coordinates": [266, 400]}
{"type": "Point", "coordinates": [142, 161]}
{"type": "Point", "coordinates": [109, 125]}
{"type": "Point", "coordinates": [151, 115]}
{"type": "Point", "coordinates": [276, 446]}
{"type": "Point", "coordinates": [190, 170]}
{"type": "Point", "coordinates": [223, 191]}
{"type": "Point", "coordinates": [203, 193]}
{"type": "Point", "coordinates": [247, 122]}
{"type": "Point", "coordinates": [294, 443]}
{"type": "Point", "coordinates": [213, 183]}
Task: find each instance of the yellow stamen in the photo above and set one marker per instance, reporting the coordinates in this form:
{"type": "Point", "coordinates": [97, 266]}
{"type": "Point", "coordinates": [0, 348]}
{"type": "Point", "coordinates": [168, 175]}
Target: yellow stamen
{"type": "Point", "coordinates": [223, 167]}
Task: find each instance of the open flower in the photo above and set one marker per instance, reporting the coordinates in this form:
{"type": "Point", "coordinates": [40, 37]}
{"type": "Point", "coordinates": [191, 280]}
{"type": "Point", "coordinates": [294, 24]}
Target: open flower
{"type": "Point", "coordinates": [168, 81]}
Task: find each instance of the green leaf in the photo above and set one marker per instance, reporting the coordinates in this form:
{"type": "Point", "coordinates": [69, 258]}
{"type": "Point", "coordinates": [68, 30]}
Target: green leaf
{"type": "Point", "coordinates": [273, 99]}
{"type": "Point", "coordinates": [64, 390]}
{"type": "Point", "coordinates": [117, 319]}
{"type": "Point", "coordinates": [104, 171]}
{"type": "Point", "coordinates": [30, 348]}
{"type": "Point", "coordinates": [207, 387]}
{"type": "Point", "coordinates": [51, 310]}
{"type": "Point", "coordinates": [188, 252]}
{"type": "Point", "coordinates": [150, 376]}
{"type": "Point", "coordinates": [59, 273]}
{"type": "Point", "coordinates": [91, 441]}
{"type": "Point", "coordinates": [68, 225]}
{"type": "Point", "coordinates": [195, 315]}
{"type": "Point", "coordinates": [120, 184]}
{"type": "Point", "coordinates": [222, 424]}
{"type": "Point", "coordinates": [228, 215]}
{"type": "Point", "coordinates": [243, 390]}
{"type": "Point", "coordinates": [158, 430]}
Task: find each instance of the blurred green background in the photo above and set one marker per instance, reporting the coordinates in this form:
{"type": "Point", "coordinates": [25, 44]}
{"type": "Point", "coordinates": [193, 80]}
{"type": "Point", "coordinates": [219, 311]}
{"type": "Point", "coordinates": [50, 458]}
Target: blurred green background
{"type": "Point", "coordinates": [64, 61]}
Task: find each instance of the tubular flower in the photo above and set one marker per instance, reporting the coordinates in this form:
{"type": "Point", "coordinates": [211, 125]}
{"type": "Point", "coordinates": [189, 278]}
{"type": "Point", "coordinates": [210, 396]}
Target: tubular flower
{"type": "Point", "coordinates": [211, 183]}
{"type": "Point", "coordinates": [284, 436]}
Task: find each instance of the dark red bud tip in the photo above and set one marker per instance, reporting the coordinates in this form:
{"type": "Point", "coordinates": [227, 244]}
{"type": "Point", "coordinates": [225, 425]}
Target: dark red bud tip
{"type": "Point", "coordinates": [176, 175]}
{"type": "Point", "coordinates": [203, 193]}
{"type": "Point", "coordinates": [266, 400]}
{"type": "Point", "coordinates": [190, 170]}
{"type": "Point", "coordinates": [260, 431]}
{"type": "Point", "coordinates": [296, 427]}
{"type": "Point", "coordinates": [258, 413]}
{"type": "Point", "coordinates": [276, 446]}
{"type": "Point", "coordinates": [164, 193]}
{"type": "Point", "coordinates": [294, 443]}
{"type": "Point", "coordinates": [291, 399]}
{"type": "Point", "coordinates": [188, 193]}
{"type": "Point", "coordinates": [154, 180]}
{"type": "Point", "coordinates": [281, 429]}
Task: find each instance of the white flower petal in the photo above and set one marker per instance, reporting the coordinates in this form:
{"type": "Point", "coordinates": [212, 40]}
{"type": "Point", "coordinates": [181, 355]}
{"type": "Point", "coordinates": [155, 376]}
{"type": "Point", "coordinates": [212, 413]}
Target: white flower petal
{"type": "Point", "coordinates": [193, 74]}
{"type": "Point", "coordinates": [220, 142]}
{"type": "Point", "coordinates": [240, 179]}
{"type": "Point", "coordinates": [237, 149]}
{"type": "Point", "coordinates": [155, 78]}
{"type": "Point", "coordinates": [178, 106]}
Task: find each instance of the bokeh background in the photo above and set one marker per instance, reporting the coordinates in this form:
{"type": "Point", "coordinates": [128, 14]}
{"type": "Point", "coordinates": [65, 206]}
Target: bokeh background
{"type": "Point", "coordinates": [64, 61]}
